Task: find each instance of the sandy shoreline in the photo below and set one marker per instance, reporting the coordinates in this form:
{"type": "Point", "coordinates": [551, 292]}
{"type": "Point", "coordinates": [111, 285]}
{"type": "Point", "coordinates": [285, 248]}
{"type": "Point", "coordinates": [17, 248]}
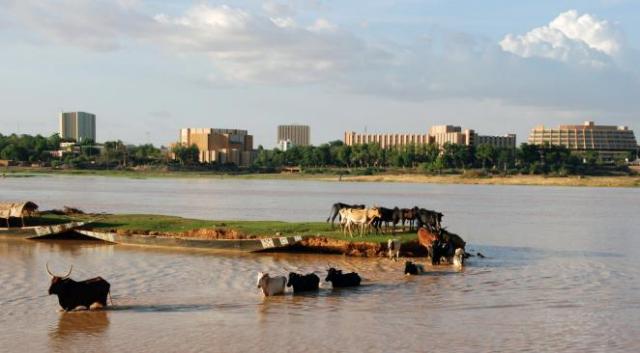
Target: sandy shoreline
{"type": "Point", "coordinates": [541, 180]}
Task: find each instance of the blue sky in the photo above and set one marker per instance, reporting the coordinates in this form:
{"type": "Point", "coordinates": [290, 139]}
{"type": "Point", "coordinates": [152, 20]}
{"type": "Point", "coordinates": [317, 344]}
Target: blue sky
{"type": "Point", "coordinates": [148, 68]}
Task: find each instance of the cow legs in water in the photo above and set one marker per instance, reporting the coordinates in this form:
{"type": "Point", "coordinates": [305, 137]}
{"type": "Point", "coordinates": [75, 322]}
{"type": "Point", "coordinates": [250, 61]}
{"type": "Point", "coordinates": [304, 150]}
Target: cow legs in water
{"type": "Point", "coordinates": [435, 252]}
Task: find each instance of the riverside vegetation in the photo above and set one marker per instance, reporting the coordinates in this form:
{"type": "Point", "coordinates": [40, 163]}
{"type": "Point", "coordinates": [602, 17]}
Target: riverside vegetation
{"type": "Point", "coordinates": [453, 163]}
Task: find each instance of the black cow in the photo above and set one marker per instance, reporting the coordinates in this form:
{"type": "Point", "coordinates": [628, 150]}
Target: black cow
{"type": "Point", "coordinates": [413, 269]}
{"type": "Point", "coordinates": [303, 283]}
{"type": "Point", "coordinates": [72, 294]}
{"type": "Point", "coordinates": [387, 215]}
{"type": "Point", "coordinates": [431, 219]}
{"type": "Point", "coordinates": [335, 211]}
{"type": "Point", "coordinates": [338, 279]}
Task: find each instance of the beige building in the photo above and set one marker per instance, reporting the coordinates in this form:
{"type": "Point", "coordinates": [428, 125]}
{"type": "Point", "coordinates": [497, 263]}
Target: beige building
{"type": "Point", "coordinates": [385, 140]}
{"type": "Point", "coordinates": [608, 141]}
{"type": "Point", "coordinates": [439, 135]}
{"type": "Point", "coordinates": [220, 145]}
{"type": "Point", "coordinates": [298, 135]}
{"type": "Point", "coordinates": [77, 126]}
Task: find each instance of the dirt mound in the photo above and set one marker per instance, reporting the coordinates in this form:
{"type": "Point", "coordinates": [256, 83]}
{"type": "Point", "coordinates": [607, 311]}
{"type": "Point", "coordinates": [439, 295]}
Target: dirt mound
{"type": "Point", "coordinates": [201, 233]}
{"type": "Point", "coordinates": [335, 246]}
{"type": "Point", "coordinates": [215, 233]}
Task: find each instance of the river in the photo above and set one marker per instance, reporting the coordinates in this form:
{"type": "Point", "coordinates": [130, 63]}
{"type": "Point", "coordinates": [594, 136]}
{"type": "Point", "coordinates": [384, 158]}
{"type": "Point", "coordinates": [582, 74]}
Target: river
{"type": "Point", "coordinates": [561, 273]}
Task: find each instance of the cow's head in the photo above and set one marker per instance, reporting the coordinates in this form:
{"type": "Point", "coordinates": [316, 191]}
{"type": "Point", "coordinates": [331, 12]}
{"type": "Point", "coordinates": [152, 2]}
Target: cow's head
{"type": "Point", "coordinates": [332, 273]}
{"type": "Point", "coordinates": [262, 279]}
{"type": "Point", "coordinates": [58, 282]}
{"type": "Point", "coordinates": [293, 277]}
{"type": "Point", "coordinates": [410, 268]}
{"type": "Point", "coordinates": [374, 213]}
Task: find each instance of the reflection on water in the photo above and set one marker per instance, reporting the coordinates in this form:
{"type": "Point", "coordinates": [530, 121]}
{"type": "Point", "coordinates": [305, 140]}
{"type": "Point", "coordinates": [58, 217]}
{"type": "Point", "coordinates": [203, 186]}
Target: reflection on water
{"type": "Point", "coordinates": [561, 275]}
{"type": "Point", "coordinates": [80, 324]}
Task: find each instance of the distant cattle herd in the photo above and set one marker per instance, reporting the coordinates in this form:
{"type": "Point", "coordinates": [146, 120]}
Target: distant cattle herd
{"type": "Point", "coordinates": [382, 219]}
{"type": "Point", "coordinates": [443, 247]}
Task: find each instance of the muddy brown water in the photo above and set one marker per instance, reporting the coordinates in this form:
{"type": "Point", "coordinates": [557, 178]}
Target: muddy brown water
{"type": "Point", "coordinates": [562, 274]}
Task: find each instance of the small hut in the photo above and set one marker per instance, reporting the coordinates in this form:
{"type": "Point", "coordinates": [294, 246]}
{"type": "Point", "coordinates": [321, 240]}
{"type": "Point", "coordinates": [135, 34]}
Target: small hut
{"type": "Point", "coordinates": [20, 210]}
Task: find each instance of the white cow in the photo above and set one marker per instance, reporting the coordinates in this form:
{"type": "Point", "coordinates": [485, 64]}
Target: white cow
{"type": "Point", "coordinates": [361, 218]}
{"type": "Point", "coordinates": [458, 258]}
{"type": "Point", "coordinates": [271, 285]}
{"type": "Point", "coordinates": [393, 249]}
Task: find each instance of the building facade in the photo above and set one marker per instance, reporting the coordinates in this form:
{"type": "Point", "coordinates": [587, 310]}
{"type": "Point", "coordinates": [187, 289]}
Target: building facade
{"type": "Point", "coordinates": [77, 126]}
{"type": "Point", "coordinates": [220, 145]}
{"type": "Point", "coordinates": [298, 135]}
{"type": "Point", "coordinates": [439, 135]}
{"type": "Point", "coordinates": [607, 140]}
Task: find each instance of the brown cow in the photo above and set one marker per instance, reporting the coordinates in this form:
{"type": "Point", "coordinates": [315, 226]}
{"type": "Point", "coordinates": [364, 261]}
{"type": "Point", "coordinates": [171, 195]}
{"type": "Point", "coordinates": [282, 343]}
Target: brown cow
{"type": "Point", "coordinates": [431, 241]}
{"type": "Point", "coordinates": [409, 215]}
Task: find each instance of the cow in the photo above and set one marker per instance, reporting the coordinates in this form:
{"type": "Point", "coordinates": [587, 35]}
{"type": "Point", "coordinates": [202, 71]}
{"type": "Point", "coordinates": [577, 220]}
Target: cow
{"type": "Point", "coordinates": [271, 285]}
{"type": "Point", "coordinates": [413, 269]}
{"type": "Point", "coordinates": [409, 215]}
{"type": "Point", "coordinates": [88, 294]}
{"type": "Point", "coordinates": [430, 219]}
{"type": "Point", "coordinates": [303, 283]}
{"type": "Point", "coordinates": [340, 280]}
{"type": "Point", "coordinates": [454, 239]}
{"type": "Point", "coordinates": [458, 258]}
{"type": "Point", "coordinates": [393, 248]}
{"type": "Point", "coordinates": [431, 241]}
{"type": "Point", "coordinates": [361, 217]}
{"type": "Point", "coordinates": [335, 210]}
{"type": "Point", "coordinates": [387, 215]}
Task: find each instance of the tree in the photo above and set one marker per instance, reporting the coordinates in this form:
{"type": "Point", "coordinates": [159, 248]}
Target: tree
{"type": "Point", "coordinates": [485, 153]}
{"type": "Point", "coordinates": [186, 154]}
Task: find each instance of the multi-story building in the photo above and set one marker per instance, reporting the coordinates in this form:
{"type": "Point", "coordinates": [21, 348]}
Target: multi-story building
{"type": "Point", "coordinates": [77, 126]}
{"type": "Point", "coordinates": [439, 135]}
{"type": "Point", "coordinates": [220, 145]}
{"type": "Point", "coordinates": [608, 141]}
{"type": "Point", "coordinates": [298, 135]}
{"type": "Point", "coordinates": [385, 140]}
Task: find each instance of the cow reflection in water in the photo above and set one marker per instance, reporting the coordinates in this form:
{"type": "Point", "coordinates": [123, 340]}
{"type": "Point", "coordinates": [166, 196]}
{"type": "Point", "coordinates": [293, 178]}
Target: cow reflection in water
{"type": "Point", "coordinates": [81, 323]}
{"type": "Point", "coordinates": [79, 331]}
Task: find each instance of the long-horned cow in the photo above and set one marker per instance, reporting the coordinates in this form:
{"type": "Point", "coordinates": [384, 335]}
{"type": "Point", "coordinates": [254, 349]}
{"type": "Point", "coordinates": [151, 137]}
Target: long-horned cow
{"type": "Point", "coordinates": [90, 293]}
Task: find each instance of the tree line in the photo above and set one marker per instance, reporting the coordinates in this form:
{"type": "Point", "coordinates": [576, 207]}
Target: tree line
{"type": "Point", "coordinates": [529, 159]}
{"type": "Point", "coordinates": [37, 149]}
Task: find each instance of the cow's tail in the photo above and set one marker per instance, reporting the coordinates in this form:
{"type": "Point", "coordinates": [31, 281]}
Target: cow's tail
{"type": "Point", "coordinates": [331, 213]}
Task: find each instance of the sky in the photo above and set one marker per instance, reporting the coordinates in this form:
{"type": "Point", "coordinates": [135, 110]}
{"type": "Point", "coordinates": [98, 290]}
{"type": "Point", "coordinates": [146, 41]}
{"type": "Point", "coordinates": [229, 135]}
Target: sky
{"type": "Point", "coordinates": [147, 68]}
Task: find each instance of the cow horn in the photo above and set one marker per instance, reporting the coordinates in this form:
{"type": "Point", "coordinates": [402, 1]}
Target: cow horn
{"type": "Point", "coordinates": [68, 273]}
{"type": "Point", "coordinates": [49, 271]}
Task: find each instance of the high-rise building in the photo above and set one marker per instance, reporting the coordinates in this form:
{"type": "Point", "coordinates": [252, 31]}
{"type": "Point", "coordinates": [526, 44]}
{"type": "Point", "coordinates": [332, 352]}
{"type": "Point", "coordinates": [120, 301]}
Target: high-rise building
{"type": "Point", "coordinates": [220, 145]}
{"type": "Point", "coordinates": [298, 135]}
{"type": "Point", "coordinates": [438, 134]}
{"type": "Point", "coordinates": [608, 141]}
{"type": "Point", "coordinates": [77, 126]}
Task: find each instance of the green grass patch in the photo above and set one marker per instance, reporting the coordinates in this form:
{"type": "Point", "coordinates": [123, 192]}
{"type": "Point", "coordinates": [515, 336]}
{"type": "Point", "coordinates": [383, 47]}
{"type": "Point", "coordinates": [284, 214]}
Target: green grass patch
{"type": "Point", "coordinates": [144, 223]}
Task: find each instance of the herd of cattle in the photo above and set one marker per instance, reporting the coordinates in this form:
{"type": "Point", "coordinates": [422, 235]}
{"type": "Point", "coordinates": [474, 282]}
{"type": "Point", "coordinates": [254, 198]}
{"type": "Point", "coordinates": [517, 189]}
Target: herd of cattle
{"type": "Point", "coordinates": [93, 293]}
{"type": "Point", "coordinates": [442, 247]}
{"type": "Point", "coordinates": [366, 219]}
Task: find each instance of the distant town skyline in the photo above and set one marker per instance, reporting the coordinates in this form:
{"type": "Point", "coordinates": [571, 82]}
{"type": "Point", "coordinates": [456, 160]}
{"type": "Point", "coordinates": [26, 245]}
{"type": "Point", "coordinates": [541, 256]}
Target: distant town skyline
{"type": "Point", "coordinates": [149, 68]}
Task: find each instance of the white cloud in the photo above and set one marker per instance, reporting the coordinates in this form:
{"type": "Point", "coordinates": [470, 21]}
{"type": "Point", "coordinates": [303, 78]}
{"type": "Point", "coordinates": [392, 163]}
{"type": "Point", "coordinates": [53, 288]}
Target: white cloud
{"type": "Point", "coordinates": [322, 25]}
{"type": "Point", "coordinates": [570, 37]}
{"type": "Point", "coordinates": [274, 47]}
{"type": "Point", "coordinates": [259, 49]}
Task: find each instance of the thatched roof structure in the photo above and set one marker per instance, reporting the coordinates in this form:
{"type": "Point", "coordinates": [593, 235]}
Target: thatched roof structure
{"type": "Point", "coordinates": [17, 209]}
